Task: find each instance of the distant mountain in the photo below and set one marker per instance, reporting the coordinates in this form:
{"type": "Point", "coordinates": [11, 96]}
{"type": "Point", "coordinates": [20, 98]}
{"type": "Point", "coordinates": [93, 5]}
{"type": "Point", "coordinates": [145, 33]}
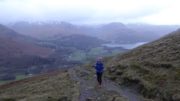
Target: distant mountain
{"type": "Point", "coordinates": [18, 52]}
{"type": "Point", "coordinates": [113, 32]}
{"type": "Point", "coordinates": [133, 33]}
{"type": "Point", "coordinates": [152, 68]}
{"type": "Point", "coordinates": [118, 33]}
{"type": "Point", "coordinates": [14, 44]}
{"type": "Point", "coordinates": [152, 32]}
{"type": "Point", "coordinates": [45, 30]}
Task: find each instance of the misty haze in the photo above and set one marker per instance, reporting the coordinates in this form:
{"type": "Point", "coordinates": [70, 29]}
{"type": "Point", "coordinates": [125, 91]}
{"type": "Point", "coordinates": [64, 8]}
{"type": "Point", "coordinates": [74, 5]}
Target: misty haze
{"type": "Point", "coordinates": [89, 50]}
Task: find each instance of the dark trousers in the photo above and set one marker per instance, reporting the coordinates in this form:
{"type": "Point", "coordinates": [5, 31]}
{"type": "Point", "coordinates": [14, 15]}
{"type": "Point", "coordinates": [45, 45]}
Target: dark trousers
{"type": "Point", "coordinates": [99, 77]}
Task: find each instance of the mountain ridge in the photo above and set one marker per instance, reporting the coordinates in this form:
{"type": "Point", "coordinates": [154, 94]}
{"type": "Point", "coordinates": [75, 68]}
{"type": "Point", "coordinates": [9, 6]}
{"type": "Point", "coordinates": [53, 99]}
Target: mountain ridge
{"type": "Point", "coordinates": [153, 68]}
{"type": "Point", "coordinates": [9, 37]}
{"type": "Point", "coordinates": [18, 53]}
{"type": "Point", "coordinates": [115, 31]}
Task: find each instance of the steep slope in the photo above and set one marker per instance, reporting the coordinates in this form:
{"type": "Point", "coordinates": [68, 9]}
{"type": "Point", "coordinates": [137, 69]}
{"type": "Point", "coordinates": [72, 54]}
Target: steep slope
{"type": "Point", "coordinates": [76, 84]}
{"type": "Point", "coordinates": [14, 44]}
{"type": "Point", "coordinates": [18, 52]}
{"type": "Point", "coordinates": [153, 68]}
{"type": "Point", "coordinates": [56, 86]}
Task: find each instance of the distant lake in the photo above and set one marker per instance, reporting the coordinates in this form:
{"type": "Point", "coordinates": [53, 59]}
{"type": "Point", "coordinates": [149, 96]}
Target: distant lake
{"type": "Point", "coordinates": [125, 46]}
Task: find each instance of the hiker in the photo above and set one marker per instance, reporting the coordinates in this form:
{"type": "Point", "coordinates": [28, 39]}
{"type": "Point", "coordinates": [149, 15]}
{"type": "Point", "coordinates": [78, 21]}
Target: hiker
{"type": "Point", "coordinates": [99, 70]}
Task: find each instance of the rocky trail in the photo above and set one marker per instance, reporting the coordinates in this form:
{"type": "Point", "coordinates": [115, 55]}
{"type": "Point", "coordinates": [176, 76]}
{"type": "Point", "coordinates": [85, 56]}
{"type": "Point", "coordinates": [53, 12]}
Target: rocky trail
{"type": "Point", "coordinates": [89, 90]}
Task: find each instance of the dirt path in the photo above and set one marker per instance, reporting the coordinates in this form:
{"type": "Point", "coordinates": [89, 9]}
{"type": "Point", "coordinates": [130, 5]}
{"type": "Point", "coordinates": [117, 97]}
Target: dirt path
{"type": "Point", "coordinates": [89, 91]}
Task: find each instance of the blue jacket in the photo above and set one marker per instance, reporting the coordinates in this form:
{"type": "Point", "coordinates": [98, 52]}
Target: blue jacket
{"type": "Point", "coordinates": [99, 67]}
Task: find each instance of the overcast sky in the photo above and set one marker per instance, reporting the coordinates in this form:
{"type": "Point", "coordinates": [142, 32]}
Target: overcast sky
{"type": "Point", "coordinates": [91, 11]}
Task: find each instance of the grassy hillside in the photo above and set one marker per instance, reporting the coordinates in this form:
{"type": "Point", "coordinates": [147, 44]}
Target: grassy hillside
{"type": "Point", "coordinates": [154, 68]}
{"type": "Point", "coordinates": [56, 86]}
{"type": "Point", "coordinates": [18, 53]}
{"type": "Point", "coordinates": [16, 44]}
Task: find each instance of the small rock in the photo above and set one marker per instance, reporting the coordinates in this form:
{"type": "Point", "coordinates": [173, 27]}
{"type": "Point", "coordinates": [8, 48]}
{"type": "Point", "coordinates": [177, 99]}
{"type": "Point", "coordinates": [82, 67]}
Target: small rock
{"type": "Point", "coordinates": [64, 98]}
{"type": "Point", "coordinates": [89, 99]}
{"type": "Point", "coordinates": [83, 74]}
{"type": "Point", "coordinates": [176, 97]}
{"type": "Point", "coordinates": [7, 99]}
{"type": "Point", "coordinates": [112, 69]}
{"type": "Point", "coordinates": [98, 98]}
{"type": "Point", "coordinates": [119, 72]}
{"type": "Point", "coordinates": [113, 78]}
{"type": "Point", "coordinates": [117, 98]}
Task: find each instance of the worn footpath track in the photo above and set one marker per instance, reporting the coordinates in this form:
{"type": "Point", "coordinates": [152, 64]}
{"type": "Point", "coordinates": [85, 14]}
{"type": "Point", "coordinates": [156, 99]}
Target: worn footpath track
{"type": "Point", "coordinates": [89, 90]}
